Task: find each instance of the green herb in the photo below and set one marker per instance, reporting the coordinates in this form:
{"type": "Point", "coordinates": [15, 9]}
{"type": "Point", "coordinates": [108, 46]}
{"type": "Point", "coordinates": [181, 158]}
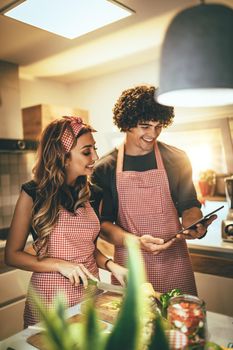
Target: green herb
{"type": "Point", "coordinates": [165, 297]}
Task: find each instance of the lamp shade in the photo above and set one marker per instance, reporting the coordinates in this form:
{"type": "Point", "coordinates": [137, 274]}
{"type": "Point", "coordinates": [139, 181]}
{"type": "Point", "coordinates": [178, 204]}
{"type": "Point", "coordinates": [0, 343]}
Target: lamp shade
{"type": "Point", "coordinates": [196, 66]}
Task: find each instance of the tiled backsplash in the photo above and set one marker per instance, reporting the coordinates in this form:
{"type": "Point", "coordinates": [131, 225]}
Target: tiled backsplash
{"type": "Point", "coordinates": [15, 169]}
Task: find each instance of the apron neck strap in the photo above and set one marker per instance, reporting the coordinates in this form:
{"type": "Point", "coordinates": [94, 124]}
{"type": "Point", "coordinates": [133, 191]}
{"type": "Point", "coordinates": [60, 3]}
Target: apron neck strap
{"type": "Point", "coordinates": [120, 157]}
{"type": "Point", "coordinates": [158, 156]}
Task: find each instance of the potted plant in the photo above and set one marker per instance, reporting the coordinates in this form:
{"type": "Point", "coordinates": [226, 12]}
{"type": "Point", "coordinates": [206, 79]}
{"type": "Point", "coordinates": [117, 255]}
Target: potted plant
{"type": "Point", "coordinates": [207, 182]}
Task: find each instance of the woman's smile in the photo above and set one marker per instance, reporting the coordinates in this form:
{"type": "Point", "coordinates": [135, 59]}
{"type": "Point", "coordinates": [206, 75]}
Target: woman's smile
{"type": "Point", "coordinates": [82, 158]}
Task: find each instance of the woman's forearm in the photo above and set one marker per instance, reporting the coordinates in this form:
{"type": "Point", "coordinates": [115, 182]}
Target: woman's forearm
{"type": "Point", "coordinates": [29, 262]}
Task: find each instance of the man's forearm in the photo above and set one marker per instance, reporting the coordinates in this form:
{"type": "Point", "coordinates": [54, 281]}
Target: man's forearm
{"type": "Point", "coordinates": [113, 233]}
{"type": "Point", "coordinates": [116, 235]}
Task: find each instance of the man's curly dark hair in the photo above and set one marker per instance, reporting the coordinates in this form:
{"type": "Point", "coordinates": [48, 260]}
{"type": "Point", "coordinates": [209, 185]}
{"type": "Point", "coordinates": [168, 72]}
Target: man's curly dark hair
{"type": "Point", "coordinates": [138, 105]}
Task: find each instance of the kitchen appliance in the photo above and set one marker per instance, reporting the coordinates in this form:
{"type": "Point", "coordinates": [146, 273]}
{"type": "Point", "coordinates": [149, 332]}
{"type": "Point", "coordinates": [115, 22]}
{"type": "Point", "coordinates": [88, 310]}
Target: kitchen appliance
{"type": "Point", "coordinates": [17, 145]}
{"type": "Point", "coordinates": [227, 224]}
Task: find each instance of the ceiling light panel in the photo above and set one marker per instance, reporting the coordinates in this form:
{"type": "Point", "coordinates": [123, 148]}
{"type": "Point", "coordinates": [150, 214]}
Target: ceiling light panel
{"type": "Point", "coordinates": [68, 18]}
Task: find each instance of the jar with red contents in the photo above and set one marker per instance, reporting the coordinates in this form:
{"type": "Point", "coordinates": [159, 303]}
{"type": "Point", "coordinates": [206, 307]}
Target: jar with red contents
{"type": "Point", "coordinates": [187, 314]}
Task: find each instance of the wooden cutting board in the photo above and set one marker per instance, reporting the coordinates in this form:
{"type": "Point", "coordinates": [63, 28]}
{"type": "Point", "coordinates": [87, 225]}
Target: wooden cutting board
{"type": "Point", "coordinates": [37, 339]}
{"type": "Point", "coordinates": [107, 306]}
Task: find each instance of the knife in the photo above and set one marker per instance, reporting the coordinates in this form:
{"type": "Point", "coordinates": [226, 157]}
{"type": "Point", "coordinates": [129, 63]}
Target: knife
{"type": "Point", "coordinates": [107, 286]}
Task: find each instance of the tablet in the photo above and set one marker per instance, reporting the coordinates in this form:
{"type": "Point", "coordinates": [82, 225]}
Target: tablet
{"type": "Point", "coordinates": [200, 221]}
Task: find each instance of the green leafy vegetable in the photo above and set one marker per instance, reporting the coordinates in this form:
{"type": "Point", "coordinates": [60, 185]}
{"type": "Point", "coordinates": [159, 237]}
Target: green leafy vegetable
{"type": "Point", "coordinates": [165, 297]}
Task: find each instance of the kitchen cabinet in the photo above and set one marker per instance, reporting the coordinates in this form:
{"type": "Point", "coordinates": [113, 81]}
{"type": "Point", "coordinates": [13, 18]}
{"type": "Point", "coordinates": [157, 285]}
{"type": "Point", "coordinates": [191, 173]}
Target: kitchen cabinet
{"type": "Point", "coordinates": [212, 261]}
{"type": "Point", "coordinates": [13, 290]}
{"type": "Point", "coordinates": [10, 113]}
{"type": "Point", "coordinates": [35, 118]}
{"type": "Point", "coordinates": [213, 268]}
{"type": "Point", "coordinates": [216, 291]}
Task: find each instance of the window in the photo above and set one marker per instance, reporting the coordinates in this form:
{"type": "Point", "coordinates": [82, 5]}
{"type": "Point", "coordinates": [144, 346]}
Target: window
{"type": "Point", "coordinates": [208, 144]}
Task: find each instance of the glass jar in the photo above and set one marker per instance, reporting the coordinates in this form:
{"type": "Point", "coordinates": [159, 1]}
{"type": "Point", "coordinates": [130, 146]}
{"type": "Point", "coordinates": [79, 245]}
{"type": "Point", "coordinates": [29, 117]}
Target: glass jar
{"type": "Point", "coordinates": [187, 314]}
{"type": "Point", "coordinates": [176, 339]}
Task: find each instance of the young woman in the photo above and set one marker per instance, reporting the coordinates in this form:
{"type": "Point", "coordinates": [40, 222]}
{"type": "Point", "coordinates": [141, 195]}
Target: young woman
{"type": "Point", "coordinates": [60, 208]}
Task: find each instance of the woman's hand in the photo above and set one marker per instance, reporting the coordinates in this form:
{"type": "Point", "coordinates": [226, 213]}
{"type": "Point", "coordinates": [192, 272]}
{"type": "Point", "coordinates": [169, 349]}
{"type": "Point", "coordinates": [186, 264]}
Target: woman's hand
{"type": "Point", "coordinates": [118, 271]}
{"type": "Point", "coordinates": [76, 273]}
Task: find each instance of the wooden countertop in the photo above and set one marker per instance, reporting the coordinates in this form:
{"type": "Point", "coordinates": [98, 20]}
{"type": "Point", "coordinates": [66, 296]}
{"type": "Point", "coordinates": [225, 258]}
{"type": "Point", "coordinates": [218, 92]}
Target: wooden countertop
{"type": "Point", "coordinates": [220, 328]}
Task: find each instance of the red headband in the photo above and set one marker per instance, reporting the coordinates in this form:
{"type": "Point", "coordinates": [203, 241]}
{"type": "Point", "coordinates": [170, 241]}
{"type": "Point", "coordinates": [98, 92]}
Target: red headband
{"type": "Point", "coordinates": [67, 138]}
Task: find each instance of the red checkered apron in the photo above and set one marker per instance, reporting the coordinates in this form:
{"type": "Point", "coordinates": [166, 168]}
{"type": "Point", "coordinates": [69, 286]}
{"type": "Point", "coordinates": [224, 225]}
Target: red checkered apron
{"type": "Point", "coordinates": [72, 239]}
{"type": "Point", "coordinates": [146, 207]}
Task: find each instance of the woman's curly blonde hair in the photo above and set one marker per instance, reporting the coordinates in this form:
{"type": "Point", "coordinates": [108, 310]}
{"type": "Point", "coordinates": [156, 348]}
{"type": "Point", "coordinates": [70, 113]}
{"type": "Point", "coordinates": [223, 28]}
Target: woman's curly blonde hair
{"type": "Point", "coordinates": [138, 104]}
{"type": "Point", "coordinates": [52, 192]}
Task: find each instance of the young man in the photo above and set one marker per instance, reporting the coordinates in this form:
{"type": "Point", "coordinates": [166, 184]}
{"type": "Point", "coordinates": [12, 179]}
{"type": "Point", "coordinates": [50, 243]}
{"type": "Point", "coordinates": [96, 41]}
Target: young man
{"type": "Point", "coordinates": [147, 186]}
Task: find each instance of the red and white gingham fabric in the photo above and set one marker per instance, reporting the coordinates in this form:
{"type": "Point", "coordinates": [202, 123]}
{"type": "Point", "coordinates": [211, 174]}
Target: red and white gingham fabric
{"type": "Point", "coordinates": [176, 339]}
{"type": "Point", "coordinates": [146, 207]}
{"type": "Point", "coordinates": [67, 138]}
{"type": "Point", "coordinates": [71, 239]}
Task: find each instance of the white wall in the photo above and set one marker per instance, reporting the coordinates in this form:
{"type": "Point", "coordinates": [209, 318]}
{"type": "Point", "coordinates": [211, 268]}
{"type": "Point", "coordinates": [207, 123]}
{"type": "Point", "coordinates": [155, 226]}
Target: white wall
{"type": "Point", "coordinates": [41, 91]}
{"type": "Point", "coordinates": [99, 95]}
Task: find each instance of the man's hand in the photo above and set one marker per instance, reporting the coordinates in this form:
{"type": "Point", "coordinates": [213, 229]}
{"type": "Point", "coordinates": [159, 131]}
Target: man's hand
{"type": "Point", "coordinates": [154, 245]}
{"type": "Point", "coordinates": [199, 231]}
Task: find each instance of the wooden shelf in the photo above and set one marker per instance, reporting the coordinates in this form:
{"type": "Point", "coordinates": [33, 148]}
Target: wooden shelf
{"type": "Point", "coordinates": [35, 118]}
{"type": "Point", "coordinates": [215, 198]}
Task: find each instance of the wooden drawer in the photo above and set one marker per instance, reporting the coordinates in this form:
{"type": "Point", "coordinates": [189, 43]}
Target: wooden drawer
{"type": "Point", "coordinates": [11, 318]}
{"type": "Point", "coordinates": [14, 286]}
{"type": "Point", "coordinates": [212, 265]}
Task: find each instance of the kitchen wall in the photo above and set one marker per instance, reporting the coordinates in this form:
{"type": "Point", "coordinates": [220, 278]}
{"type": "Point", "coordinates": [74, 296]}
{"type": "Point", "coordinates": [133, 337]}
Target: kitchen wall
{"type": "Point", "coordinates": [15, 169]}
{"type": "Point", "coordinates": [43, 91]}
{"type": "Point", "coordinates": [99, 94]}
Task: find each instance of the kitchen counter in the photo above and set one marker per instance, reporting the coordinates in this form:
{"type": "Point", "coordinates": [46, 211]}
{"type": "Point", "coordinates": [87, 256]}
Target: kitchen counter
{"type": "Point", "coordinates": [220, 329]}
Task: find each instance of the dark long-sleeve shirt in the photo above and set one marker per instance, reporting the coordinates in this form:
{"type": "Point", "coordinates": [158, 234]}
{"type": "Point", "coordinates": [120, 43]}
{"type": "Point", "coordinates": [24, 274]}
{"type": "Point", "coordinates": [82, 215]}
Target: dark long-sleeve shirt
{"type": "Point", "coordinates": [178, 169]}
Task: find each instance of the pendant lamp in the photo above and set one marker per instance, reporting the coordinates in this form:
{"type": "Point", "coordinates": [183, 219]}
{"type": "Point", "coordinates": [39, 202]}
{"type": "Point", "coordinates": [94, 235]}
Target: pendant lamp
{"type": "Point", "coordinates": [196, 66]}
